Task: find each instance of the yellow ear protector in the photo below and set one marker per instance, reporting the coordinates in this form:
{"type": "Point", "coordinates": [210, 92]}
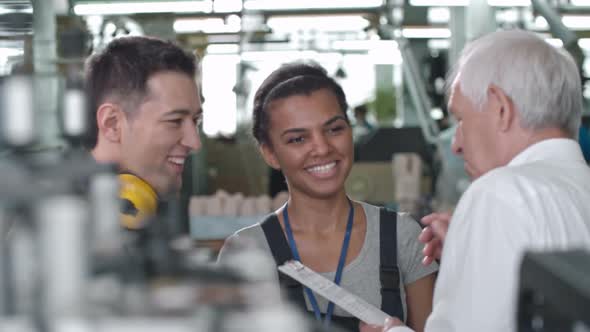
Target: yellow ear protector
{"type": "Point", "coordinates": [139, 201]}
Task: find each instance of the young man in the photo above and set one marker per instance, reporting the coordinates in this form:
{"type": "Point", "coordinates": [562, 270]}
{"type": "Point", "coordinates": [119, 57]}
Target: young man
{"type": "Point", "coordinates": [146, 106]}
{"type": "Point", "coordinates": [518, 104]}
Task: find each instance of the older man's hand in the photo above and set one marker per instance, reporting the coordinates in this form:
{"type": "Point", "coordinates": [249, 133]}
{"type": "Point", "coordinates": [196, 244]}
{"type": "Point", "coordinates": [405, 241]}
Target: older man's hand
{"type": "Point", "coordinates": [433, 235]}
{"type": "Point", "coordinates": [390, 322]}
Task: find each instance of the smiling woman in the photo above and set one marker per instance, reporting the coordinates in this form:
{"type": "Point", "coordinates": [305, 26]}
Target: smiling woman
{"type": "Point", "coordinates": [302, 129]}
{"type": "Point", "coordinates": [311, 144]}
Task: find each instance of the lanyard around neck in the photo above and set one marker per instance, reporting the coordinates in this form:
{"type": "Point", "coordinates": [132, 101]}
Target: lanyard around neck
{"type": "Point", "coordinates": [341, 261]}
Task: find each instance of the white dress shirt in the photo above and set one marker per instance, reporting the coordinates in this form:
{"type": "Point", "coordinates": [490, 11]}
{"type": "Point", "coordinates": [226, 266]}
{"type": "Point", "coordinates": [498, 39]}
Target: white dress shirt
{"type": "Point", "coordinates": [540, 200]}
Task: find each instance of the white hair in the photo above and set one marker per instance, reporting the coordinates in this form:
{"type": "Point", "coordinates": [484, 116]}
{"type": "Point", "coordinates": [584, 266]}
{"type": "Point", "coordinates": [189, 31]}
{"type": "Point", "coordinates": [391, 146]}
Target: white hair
{"type": "Point", "coordinates": [543, 82]}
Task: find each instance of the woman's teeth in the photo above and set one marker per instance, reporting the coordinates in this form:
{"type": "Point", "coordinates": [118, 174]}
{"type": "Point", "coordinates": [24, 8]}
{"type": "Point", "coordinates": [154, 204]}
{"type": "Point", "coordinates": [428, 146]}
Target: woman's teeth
{"type": "Point", "coordinates": [322, 168]}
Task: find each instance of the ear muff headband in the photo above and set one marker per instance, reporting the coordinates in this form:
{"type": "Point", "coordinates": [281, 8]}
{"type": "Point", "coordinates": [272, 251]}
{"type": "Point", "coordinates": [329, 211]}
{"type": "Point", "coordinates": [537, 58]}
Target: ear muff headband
{"type": "Point", "coordinates": [139, 201]}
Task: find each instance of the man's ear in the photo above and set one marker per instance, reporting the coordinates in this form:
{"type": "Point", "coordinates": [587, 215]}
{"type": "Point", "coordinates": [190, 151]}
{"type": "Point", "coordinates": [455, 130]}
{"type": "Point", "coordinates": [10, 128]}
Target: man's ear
{"type": "Point", "coordinates": [269, 156]}
{"type": "Point", "coordinates": [110, 118]}
{"type": "Point", "coordinates": [503, 105]}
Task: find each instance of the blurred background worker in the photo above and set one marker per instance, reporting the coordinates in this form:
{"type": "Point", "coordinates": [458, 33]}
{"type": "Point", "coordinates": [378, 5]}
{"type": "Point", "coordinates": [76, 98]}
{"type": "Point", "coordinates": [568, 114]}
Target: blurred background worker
{"type": "Point", "coordinates": [363, 127]}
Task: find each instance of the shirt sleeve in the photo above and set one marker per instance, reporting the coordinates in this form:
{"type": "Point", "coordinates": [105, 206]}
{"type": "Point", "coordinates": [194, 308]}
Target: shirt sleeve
{"type": "Point", "coordinates": [229, 243]}
{"type": "Point", "coordinates": [410, 250]}
{"type": "Point", "coordinates": [476, 286]}
{"type": "Point", "coordinates": [245, 239]}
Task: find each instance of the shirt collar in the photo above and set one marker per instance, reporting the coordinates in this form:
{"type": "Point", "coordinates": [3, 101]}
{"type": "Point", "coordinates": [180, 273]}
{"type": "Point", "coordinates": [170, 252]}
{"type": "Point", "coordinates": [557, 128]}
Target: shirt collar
{"type": "Point", "coordinates": [554, 149]}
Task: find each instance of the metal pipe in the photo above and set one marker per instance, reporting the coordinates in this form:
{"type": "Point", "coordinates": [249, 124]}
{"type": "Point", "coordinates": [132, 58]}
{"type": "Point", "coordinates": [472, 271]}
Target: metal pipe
{"type": "Point", "coordinates": [44, 37]}
{"type": "Point", "coordinates": [62, 222]}
{"type": "Point", "coordinates": [17, 118]}
{"type": "Point", "coordinates": [416, 87]}
{"type": "Point", "coordinates": [45, 67]}
{"type": "Point", "coordinates": [5, 285]}
{"type": "Point", "coordinates": [559, 30]}
{"type": "Point", "coordinates": [480, 19]}
{"type": "Point", "coordinates": [458, 32]}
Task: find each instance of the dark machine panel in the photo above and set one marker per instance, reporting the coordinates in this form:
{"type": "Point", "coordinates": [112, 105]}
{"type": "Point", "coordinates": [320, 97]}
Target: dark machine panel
{"type": "Point", "coordinates": [554, 292]}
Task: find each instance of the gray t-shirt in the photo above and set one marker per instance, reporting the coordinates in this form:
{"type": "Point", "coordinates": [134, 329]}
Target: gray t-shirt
{"type": "Point", "coordinates": [361, 276]}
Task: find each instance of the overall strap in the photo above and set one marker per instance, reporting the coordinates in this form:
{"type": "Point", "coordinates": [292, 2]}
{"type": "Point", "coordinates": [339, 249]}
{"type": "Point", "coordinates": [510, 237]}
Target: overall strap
{"type": "Point", "coordinates": [282, 252]}
{"type": "Point", "coordinates": [391, 301]}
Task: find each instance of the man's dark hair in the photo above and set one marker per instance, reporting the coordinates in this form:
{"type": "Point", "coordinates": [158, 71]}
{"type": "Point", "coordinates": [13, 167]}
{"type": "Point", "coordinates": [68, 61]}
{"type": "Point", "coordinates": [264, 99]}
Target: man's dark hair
{"type": "Point", "coordinates": [123, 68]}
{"type": "Point", "coordinates": [297, 78]}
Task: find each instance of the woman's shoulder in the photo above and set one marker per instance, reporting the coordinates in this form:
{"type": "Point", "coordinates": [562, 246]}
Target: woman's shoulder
{"type": "Point", "coordinates": [406, 225]}
{"type": "Point", "coordinates": [247, 237]}
{"type": "Point", "coordinates": [249, 231]}
{"type": "Point", "coordinates": [373, 211]}
{"type": "Point", "coordinates": [254, 230]}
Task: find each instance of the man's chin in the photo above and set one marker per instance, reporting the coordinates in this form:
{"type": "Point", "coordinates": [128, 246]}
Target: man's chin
{"type": "Point", "coordinates": [473, 174]}
{"type": "Point", "coordinates": [169, 189]}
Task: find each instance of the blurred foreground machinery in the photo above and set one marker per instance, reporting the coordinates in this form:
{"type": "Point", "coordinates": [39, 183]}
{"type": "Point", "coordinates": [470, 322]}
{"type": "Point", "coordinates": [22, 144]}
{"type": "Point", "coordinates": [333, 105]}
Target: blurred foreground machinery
{"type": "Point", "coordinates": [67, 264]}
{"type": "Point", "coordinates": [554, 292]}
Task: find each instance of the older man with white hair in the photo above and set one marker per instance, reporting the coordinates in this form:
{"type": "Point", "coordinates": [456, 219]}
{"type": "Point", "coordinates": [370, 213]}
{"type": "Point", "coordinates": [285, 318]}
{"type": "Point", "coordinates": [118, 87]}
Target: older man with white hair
{"type": "Point", "coordinates": [518, 104]}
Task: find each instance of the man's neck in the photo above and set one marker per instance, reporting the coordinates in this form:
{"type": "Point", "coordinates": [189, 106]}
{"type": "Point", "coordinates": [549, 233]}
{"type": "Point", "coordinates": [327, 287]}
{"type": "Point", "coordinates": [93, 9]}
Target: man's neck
{"type": "Point", "coordinates": [527, 138]}
{"type": "Point", "coordinates": [103, 154]}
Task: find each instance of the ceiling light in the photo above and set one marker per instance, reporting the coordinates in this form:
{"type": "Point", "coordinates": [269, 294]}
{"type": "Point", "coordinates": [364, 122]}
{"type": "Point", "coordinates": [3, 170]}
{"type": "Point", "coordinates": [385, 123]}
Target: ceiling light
{"type": "Point", "coordinates": [282, 56]}
{"type": "Point", "coordinates": [555, 42]}
{"type": "Point", "coordinates": [439, 3]}
{"type": "Point", "coordinates": [385, 52]}
{"type": "Point", "coordinates": [437, 113]}
{"type": "Point", "coordinates": [576, 22]}
{"type": "Point", "coordinates": [5, 10]}
{"type": "Point", "coordinates": [439, 44]}
{"type": "Point", "coordinates": [580, 2]}
{"type": "Point", "coordinates": [361, 45]}
{"type": "Point", "coordinates": [352, 45]}
{"type": "Point", "coordinates": [426, 33]}
{"type": "Point", "coordinates": [584, 43]}
{"type": "Point", "coordinates": [507, 16]}
{"type": "Point", "coordinates": [220, 116]}
{"type": "Point", "coordinates": [6, 52]}
{"type": "Point", "coordinates": [223, 49]}
{"type": "Point", "coordinates": [122, 8]}
{"type": "Point", "coordinates": [323, 23]}
{"type": "Point", "coordinates": [541, 23]}
{"type": "Point", "coordinates": [309, 4]}
{"type": "Point", "coordinates": [224, 39]}
{"type": "Point", "coordinates": [438, 15]}
{"type": "Point", "coordinates": [509, 3]}
{"type": "Point", "coordinates": [206, 25]}
{"type": "Point", "coordinates": [227, 6]}
{"type": "Point", "coordinates": [455, 3]}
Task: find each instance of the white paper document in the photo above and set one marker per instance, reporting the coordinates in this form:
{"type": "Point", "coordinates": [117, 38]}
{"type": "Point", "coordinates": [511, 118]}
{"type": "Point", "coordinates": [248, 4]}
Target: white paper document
{"type": "Point", "coordinates": [349, 302]}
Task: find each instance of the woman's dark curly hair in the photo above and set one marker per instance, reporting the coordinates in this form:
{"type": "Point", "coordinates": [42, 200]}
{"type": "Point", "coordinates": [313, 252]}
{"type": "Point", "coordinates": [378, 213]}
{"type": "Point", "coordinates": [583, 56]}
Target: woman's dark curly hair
{"type": "Point", "coordinates": [297, 78]}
